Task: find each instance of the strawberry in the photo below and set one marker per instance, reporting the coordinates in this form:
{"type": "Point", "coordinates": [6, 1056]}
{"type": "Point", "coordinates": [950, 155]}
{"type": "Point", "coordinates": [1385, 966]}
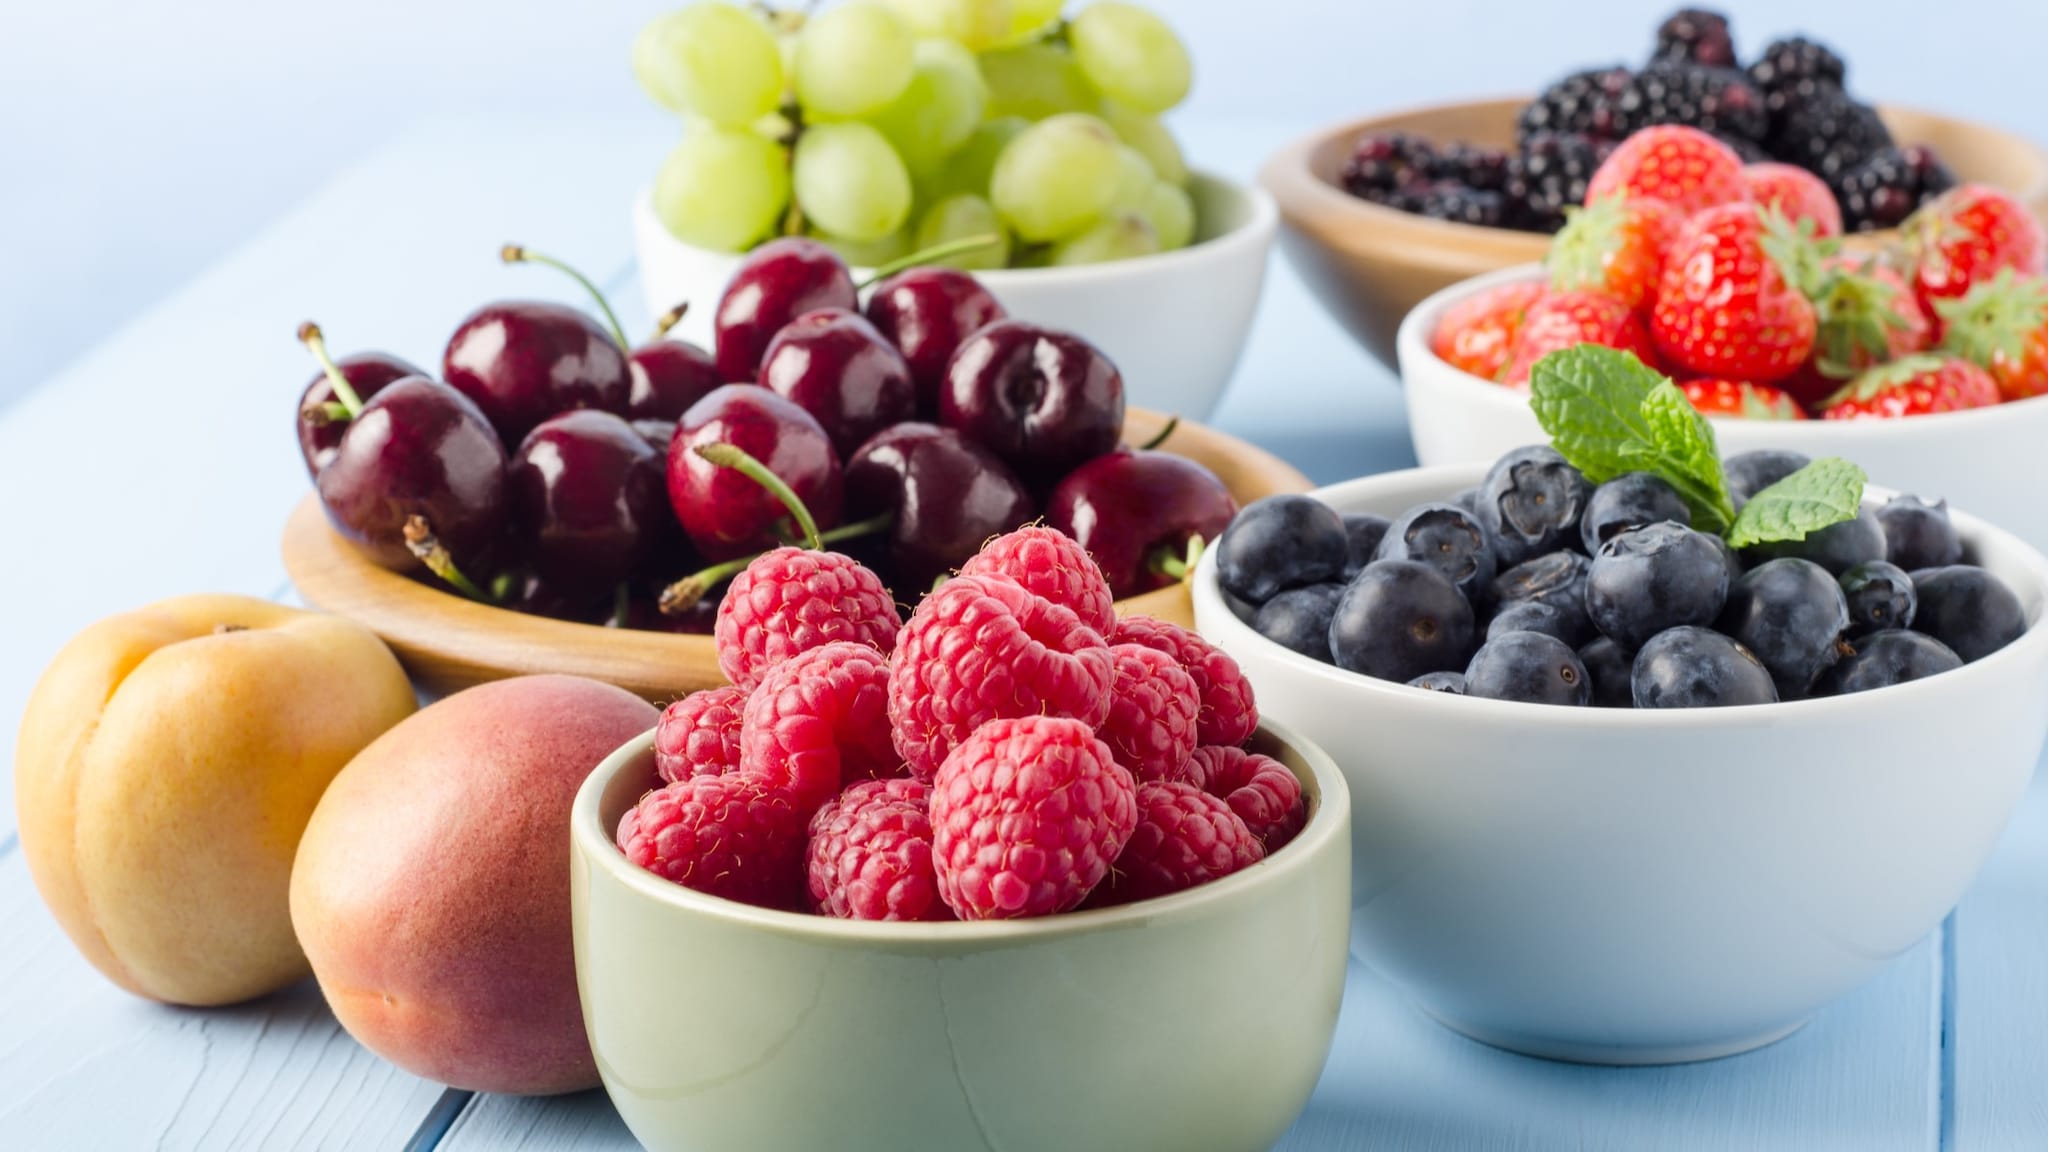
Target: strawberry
{"type": "Point", "coordinates": [1966, 235]}
{"type": "Point", "coordinates": [1867, 314]}
{"type": "Point", "coordinates": [1725, 305]}
{"type": "Point", "coordinates": [1797, 193]}
{"type": "Point", "coordinates": [1568, 319]}
{"type": "Point", "coordinates": [1615, 246]}
{"type": "Point", "coordinates": [1915, 386]}
{"type": "Point", "coordinates": [2001, 325]}
{"type": "Point", "coordinates": [1742, 400]}
{"type": "Point", "coordinates": [1685, 166]}
{"type": "Point", "coordinates": [1477, 334]}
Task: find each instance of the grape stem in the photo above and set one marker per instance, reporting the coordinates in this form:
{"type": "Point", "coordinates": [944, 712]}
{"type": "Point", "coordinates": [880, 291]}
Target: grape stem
{"type": "Point", "coordinates": [516, 254]}
{"type": "Point", "coordinates": [1174, 564]}
{"type": "Point", "coordinates": [351, 404]}
{"type": "Point", "coordinates": [421, 541]}
{"type": "Point", "coordinates": [1165, 434]}
{"type": "Point", "coordinates": [684, 594]}
{"type": "Point", "coordinates": [737, 459]}
{"type": "Point", "coordinates": [931, 255]}
{"type": "Point", "coordinates": [669, 320]}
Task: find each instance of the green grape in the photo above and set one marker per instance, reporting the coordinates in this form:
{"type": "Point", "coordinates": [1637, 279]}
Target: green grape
{"type": "Point", "coordinates": [851, 61]}
{"type": "Point", "coordinates": [722, 188]}
{"type": "Point", "coordinates": [711, 59]}
{"type": "Point", "coordinates": [1118, 236]}
{"type": "Point", "coordinates": [1029, 17]}
{"type": "Point", "coordinates": [1171, 213]}
{"type": "Point", "coordinates": [849, 182]}
{"type": "Point", "coordinates": [977, 24]}
{"type": "Point", "coordinates": [939, 110]}
{"type": "Point", "coordinates": [957, 218]}
{"type": "Point", "coordinates": [1131, 55]}
{"type": "Point", "coordinates": [1057, 176]}
{"type": "Point", "coordinates": [1035, 81]}
{"type": "Point", "coordinates": [970, 169]}
{"type": "Point", "coordinates": [1150, 137]}
{"type": "Point", "coordinates": [1134, 182]}
{"type": "Point", "coordinates": [868, 253]}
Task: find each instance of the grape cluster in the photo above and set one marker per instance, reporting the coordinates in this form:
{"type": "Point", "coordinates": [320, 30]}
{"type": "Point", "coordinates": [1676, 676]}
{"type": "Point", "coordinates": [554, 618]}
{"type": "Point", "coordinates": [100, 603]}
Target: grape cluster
{"type": "Point", "coordinates": [883, 127]}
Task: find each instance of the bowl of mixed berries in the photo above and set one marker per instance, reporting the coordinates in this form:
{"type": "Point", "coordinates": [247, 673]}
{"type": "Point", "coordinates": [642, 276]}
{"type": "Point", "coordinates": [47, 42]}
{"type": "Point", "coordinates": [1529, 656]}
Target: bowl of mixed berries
{"type": "Point", "coordinates": [1384, 211]}
{"type": "Point", "coordinates": [1014, 872]}
{"type": "Point", "coordinates": [1652, 751]}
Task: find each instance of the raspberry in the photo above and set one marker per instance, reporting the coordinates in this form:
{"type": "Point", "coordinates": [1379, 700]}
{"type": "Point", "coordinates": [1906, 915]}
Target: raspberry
{"type": "Point", "coordinates": [699, 735]}
{"type": "Point", "coordinates": [1184, 838]}
{"type": "Point", "coordinates": [819, 719]}
{"type": "Point", "coordinates": [980, 648]}
{"type": "Point", "coordinates": [728, 836]}
{"type": "Point", "coordinates": [1229, 715]}
{"type": "Point", "coordinates": [792, 599]}
{"type": "Point", "coordinates": [1260, 789]}
{"type": "Point", "coordinates": [1152, 713]}
{"type": "Point", "coordinates": [1026, 816]}
{"type": "Point", "coordinates": [1052, 564]}
{"type": "Point", "coordinates": [871, 854]}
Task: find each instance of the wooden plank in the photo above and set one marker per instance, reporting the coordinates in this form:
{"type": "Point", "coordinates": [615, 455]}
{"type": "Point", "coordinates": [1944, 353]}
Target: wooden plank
{"type": "Point", "coordinates": [1998, 1057]}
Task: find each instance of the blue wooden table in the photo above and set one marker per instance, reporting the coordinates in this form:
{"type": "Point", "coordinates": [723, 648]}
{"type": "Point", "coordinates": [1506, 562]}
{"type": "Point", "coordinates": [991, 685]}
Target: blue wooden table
{"type": "Point", "coordinates": [164, 463]}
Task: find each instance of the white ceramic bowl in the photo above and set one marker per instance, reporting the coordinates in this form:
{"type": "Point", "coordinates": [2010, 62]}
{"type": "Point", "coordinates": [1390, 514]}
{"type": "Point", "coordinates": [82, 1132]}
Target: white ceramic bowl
{"type": "Point", "coordinates": [1197, 1022]}
{"type": "Point", "coordinates": [1655, 886]}
{"type": "Point", "coordinates": [1175, 323]}
{"type": "Point", "coordinates": [1990, 460]}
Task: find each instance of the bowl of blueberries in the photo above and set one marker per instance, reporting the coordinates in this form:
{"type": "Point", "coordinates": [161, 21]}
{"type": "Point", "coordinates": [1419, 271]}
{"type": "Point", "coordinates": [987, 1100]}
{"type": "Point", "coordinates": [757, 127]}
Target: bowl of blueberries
{"type": "Point", "coordinates": [1651, 753]}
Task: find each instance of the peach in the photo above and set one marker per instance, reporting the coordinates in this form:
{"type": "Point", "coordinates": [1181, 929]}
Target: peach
{"type": "Point", "coordinates": [432, 887]}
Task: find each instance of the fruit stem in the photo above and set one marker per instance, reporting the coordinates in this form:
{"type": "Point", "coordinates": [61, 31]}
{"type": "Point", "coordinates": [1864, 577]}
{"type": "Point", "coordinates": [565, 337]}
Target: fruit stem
{"type": "Point", "coordinates": [351, 404]}
{"type": "Point", "coordinates": [931, 255]}
{"type": "Point", "coordinates": [515, 254]}
{"type": "Point", "coordinates": [737, 459]}
{"type": "Point", "coordinates": [684, 594]}
{"type": "Point", "coordinates": [420, 539]}
{"type": "Point", "coordinates": [1172, 426]}
{"type": "Point", "coordinates": [1173, 563]}
{"type": "Point", "coordinates": [622, 604]}
{"type": "Point", "coordinates": [321, 415]}
{"type": "Point", "coordinates": [670, 319]}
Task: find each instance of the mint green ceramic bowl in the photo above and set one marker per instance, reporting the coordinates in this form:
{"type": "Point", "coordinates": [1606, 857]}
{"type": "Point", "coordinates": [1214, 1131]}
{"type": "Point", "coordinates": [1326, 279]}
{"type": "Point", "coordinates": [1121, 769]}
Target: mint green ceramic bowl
{"type": "Point", "coordinates": [1196, 1022]}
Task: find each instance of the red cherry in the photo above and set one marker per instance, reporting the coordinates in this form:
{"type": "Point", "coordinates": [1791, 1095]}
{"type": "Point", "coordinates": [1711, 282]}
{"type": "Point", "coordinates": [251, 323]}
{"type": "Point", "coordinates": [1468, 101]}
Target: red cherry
{"type": "Point", "coordinates": [1137, 511]}
{"type": "Point", "coordinates": [834, 365]}
{"type": "Point", "coordinates": [776, 283]}
{"type": "Point", "coordinates": [725, 513]}
{"type": "Point", "coordinates": [927, 312]}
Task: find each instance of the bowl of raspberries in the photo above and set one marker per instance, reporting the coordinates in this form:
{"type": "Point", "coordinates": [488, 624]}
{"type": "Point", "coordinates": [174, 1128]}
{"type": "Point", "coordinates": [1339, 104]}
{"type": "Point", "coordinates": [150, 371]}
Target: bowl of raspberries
{"type": "Point", "coordinates": [1654, 752]}
{"type": "Point", "coordinates": [904, 885]}
{"type": "Point", "coordinates": [1384, 211]}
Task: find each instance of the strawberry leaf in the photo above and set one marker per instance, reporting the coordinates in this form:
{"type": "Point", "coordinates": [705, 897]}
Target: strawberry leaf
{"type": "Point", "coordinates": [1827, 491]}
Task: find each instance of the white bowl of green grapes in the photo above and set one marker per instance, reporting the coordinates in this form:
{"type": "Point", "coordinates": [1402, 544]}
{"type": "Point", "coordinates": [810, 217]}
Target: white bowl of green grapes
{"type": "Point", "coordinates": [1007, 137]}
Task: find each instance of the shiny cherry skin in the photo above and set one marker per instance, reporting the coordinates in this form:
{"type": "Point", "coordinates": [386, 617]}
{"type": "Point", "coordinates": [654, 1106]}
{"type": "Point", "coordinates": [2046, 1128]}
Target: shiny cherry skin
{"type": "Point", "coordinates": [834, 365]}
{"type": "Point", "coordinates": [589, 502]}
{"type": "Point", "coordinates": [523, 361]}
{"type": "Point", "coordinates": [1045, 401]}
{"type": "Point", "coordinates": [725, 513]}
{"type": "Point", "coordinates": [949, 495]}
{"type": "Point", "coordinates": [667, 377]}
{"type": "Point", "coordinates": [367, 373]}
{"type": "Point", "coordinates": [776, 283]}
{"type": "Point", "coordinates": [657, 433]}
{"type": "Point", "coordinates": [927, 313]}
{"type": "Point", "coordinates": [1130, 507]}
{"type": "Point", "coordinates": [421, 448]}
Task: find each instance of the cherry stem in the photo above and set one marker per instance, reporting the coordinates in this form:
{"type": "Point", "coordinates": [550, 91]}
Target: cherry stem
{"type": "Point", "coordinates": [351, 404]}
{"type": "Point", "coordinates": [684, 594]}
{"type": "Point", "coordinates": [420, 539]}
{"type": "Point", "coordinates": [515, 254]}
{"type": "Point", "coordinates": [931, 255]}
{"type": "Point", "coordinates": [321, 415]}
{"type": "Point", "coordinates": [670, 319]}
{"type": "Point", "coordinates": [737, 459]}
{"type": "Point", "coordinates": [1174, 564]}
{"type": "Point", "coordinates": [622, 605]}
{"type": "Point", "coordinates": [1166, 433]}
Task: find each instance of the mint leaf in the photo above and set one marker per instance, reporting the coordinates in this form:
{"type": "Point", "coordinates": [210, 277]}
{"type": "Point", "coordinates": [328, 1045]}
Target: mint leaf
{"type": "Point", "coordinates": [1827, 491]}
{"type": "Point", "coordinates": [1687, 457]}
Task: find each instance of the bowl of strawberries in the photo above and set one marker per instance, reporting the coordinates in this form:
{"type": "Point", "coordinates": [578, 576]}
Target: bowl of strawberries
{"type": "Point", "coordinates": [1923, 352]}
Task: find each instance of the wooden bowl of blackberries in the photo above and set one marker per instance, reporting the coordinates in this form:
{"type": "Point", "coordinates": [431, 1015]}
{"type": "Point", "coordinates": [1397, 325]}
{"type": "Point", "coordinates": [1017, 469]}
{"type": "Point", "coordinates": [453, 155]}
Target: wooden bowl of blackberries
{"type": "Point", "coordinates": [1382, 212]}
{"type": "Point", "coordinates": [559, 500]}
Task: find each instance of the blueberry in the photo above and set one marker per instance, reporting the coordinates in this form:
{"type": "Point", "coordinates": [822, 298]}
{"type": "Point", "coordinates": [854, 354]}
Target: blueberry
{"type": "Point", "coordinates": [1837, 547]}
{"type": "Point", "coordinates": [1608, 667]}
{"type": "Point", "coordinates": [1529, 667]}
{"type": "Point", "coordinates": [1531, 502]}
{"type": "Point", "coordinates": [1447, 538]}
{"type": "Point", "coordinates": [1400, 619]}
{"type": "Point", "coordinates": [1557, 579]}
{"type": "Point", "coordinates": [1730, 558]}
{"type": "Point", "coordinates": [1299, 618]}
{"type": "Point", "coordinates": [1277, 543]}
{"type": "Point", "coordinates": [1452, 683]}
{"type": "Point", "coordinates": [1968, 609]}
{"type": "Point", "coordinates": [1650, 579]}
{"type": "Point", "coordinates": [1883, 659]}
{"type": "Point", "coordinates": [1751, 472]}
{"type": "Point", "coordinates": [1362, 532]}
{"type": "Point", "coordinates": [1467, 499]}
{"type": "Point", "coordinates": [1880, 597]}
{"type": "Point", "coordinates": [1698, 668]}
{"type": "Point", "coordinates": [1630, 500]}
{"type": "Point", "coordinates": [1791, 615]}
{"type": "Point", "coordinates": [1536, 616]}
{"type": "Point", "coordinates": [1918, 534]}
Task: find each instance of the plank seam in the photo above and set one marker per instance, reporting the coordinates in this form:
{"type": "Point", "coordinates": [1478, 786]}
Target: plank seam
{"type": "Point", "coordinates": [1945, 1133]}
{"type": "Point", "coordinates": [442, 1117]}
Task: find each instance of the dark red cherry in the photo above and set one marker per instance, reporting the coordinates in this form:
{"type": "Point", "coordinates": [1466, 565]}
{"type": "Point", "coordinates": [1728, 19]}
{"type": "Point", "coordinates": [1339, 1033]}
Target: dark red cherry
{"type": "Point", "coordinates": [727, 514]}
{"type": "Point", "coordinates": [1045, 401]}
{"type": "Point", "coordinates": [417, 448]}
{"type": "Point", "coordinates": [927, 312]}
{"type": "Point", "coordinates": [589, 502]}
{"type": "Point", "coordinates": [949, 495]}
{"type": "Point", "coordinates": [657, 433]}
{"type": "Point", "coordinates": [523, 361]}
{"type": "Point", "coordinates": [774, 284]}
{"type": "Point", "coordinates": [1137, 511]}
{"type": "Point", "coordinates": [530, 592]}
{"type": "Point", "coordinates": [834, 365]}
{"type": "Point", "coordinates": [668, 377]}
{"type": "Point", "coordinates": [320, 428]}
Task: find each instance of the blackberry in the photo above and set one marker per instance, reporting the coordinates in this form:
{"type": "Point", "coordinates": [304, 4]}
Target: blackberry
{"type": "Point", "coordinates": [1827, 133]}
{"type": "Point", "coordinates": [1462, 205]}
{"type": "Point", "coordinates": [1786, 64]}
{"type": "Point", "coordinates": [1750, 151]}
{"type": "Point", "coordinates": [1722, 101]}
{"type": "Point", "coordinates": [1885, 189]}
{"type": "Point", "coordinates": [1473, 165]}
{"type": "Point", "coordinates": [1383, 163]}
{"type": "Point", "coordinates": [1697, 36]}
{"type": "Point", "coordinates": [1581, 104]}
{"type": "Point", "coordinates": [1550, 174]}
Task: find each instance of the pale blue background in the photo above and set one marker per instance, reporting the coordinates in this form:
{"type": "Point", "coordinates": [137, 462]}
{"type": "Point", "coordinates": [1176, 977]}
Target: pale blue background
{"type": "Point", "coordinates": [142, 139]}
